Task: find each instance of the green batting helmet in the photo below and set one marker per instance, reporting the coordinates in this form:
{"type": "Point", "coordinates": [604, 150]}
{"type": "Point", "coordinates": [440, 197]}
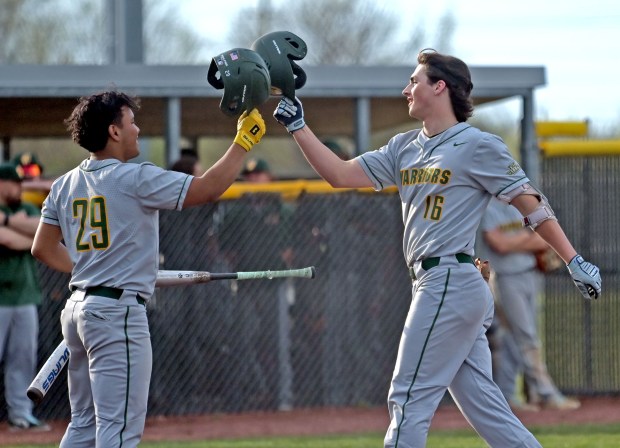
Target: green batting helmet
{"type": "Point", "coordinates": [244, 76]}
{"type": "Point", "coordinates": [280, 50]}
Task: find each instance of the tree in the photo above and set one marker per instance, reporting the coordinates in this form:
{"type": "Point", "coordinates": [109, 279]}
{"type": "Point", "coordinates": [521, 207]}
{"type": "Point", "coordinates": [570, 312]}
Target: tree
{"type": "Point", "coordinates": [52, 32]}
{"type": "Point", "coordinates": [167, 39]}
{"type": "Point", "coordinates": [75, 32]}
{"type": "Point", "coordinates": [356, 32]}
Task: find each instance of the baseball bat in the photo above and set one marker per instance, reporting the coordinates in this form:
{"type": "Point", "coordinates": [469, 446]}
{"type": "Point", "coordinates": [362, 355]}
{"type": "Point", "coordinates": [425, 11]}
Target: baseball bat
{"type": "Point", "coordinates": [179, 278]}
{"type": "Point", "coordinates": [49, 372]}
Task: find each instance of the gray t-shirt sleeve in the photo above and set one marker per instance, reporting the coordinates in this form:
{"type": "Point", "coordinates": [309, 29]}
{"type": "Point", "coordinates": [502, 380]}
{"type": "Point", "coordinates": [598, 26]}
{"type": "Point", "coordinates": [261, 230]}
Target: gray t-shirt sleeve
{"type": "Point", "coordinates": [494, 168]}
{"type": "Point", "coordinates": [161, 189]}
{"type": "Point", "coordinates": [381, 165]}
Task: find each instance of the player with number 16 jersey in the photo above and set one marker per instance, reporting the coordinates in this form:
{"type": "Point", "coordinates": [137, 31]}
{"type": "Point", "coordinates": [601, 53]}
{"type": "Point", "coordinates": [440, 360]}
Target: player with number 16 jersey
{"type": "Point", "coordinates": [445, 173]}
{"type": "Point", "coordinates": [444, 182]}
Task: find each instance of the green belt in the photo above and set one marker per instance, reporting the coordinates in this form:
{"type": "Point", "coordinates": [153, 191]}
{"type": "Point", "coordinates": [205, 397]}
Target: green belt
{"type": "Point", "coordinates": [431, 262]}
{"type": "Point", "coordinates": [110, 293]}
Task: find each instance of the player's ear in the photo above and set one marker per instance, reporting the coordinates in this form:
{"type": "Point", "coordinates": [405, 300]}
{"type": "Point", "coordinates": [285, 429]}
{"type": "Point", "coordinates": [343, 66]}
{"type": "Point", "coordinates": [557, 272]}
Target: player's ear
{"type": "Point", "coordinates": [113, 132]}
{"type": "Point", "coordinates": [440, 86]}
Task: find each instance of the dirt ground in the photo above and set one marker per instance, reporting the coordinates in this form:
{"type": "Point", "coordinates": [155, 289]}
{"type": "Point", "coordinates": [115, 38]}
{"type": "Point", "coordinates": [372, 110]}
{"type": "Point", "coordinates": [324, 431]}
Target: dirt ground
{"type": "Point", "coordinates": [598, 410]}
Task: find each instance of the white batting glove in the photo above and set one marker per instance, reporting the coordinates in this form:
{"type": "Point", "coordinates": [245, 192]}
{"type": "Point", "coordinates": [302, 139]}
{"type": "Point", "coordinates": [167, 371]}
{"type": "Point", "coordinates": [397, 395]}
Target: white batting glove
{"type": "Point", "coordinates": [586, 276]}
{"type": "Point", "coordinates": [290, 114]}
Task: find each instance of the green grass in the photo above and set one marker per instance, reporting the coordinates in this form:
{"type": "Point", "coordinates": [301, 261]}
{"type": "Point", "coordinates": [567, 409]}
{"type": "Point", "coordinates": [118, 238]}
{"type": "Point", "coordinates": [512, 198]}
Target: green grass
{"type": "Point", "coordinates": [586, 436]}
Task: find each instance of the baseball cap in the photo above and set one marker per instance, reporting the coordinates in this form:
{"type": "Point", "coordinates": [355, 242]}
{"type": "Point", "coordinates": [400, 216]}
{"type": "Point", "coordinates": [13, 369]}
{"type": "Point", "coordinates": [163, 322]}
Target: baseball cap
{"type": "Point", "coordinates": [255, 166]}
{"type": "Point", "coordinates": [9, 172]}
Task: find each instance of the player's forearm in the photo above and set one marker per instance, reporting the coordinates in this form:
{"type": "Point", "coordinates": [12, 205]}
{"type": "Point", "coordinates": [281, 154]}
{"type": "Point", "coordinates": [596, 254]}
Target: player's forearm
{"type": "Point", "coordinates": [523, 241]}
{"type": "Point", "coordinates": [337, 172]}
{"type": "Point", "coordinates": [554, 235]}
{"type": "Point", "coordinates": [48, 248]}
{"type": "Point", "coordinates": [55, 256]}
{"type": "Point", "coordinates": [217, 179]}
{"type": "Point", "coordinates": [550, 230]}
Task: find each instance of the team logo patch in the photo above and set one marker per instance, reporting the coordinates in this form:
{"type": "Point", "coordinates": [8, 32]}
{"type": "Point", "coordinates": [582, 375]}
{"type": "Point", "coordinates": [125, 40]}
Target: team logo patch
{"type": "Point", "coordinates": [513, 168]}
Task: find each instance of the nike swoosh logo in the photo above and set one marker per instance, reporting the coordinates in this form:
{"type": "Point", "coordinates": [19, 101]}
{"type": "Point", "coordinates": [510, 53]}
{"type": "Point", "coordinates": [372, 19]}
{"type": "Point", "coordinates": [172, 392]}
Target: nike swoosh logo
{"type": "Point", "coordinates": [459, 143]}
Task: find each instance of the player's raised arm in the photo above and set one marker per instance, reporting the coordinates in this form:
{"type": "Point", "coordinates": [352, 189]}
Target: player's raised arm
{"type": "Point", "coordinates": [217, 179]}
{"type": "Point", "coordinates": [338, 172]}
{"type": "Point", "coordinates": [245, 81]}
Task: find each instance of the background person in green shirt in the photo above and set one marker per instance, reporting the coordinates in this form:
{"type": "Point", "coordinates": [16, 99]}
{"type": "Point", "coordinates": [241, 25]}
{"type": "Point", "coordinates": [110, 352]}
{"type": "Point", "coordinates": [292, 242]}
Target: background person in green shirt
{"type": "Point", "coordinates": [19, 297]}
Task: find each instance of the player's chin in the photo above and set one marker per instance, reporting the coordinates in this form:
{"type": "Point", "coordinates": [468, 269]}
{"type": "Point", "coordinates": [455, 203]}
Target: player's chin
{"type": "Point", "coordinates": [410, 109]}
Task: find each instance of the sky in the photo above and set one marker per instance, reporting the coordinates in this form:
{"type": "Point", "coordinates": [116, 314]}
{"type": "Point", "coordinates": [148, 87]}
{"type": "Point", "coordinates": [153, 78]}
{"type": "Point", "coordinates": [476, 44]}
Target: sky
{"type": "Point", "coordinates": [577, 42]}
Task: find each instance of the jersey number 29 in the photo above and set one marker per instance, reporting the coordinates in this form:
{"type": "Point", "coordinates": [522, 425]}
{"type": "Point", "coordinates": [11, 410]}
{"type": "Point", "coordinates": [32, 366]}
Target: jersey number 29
{"type": "Point", "coordinates": [93, 232]}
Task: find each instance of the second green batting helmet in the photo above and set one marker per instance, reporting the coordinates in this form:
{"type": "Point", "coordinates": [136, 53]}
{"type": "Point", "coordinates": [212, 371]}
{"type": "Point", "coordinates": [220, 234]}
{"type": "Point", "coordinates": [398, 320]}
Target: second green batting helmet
{"type": "Point", "coordinates": [280, 50]}
{"type": "Point", "coordinates": [244, 76]}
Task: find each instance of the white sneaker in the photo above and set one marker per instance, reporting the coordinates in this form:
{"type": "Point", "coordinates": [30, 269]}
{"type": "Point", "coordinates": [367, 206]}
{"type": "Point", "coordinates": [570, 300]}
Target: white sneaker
{"type": "Point", "coordinates": [561, 403]}
{"type": "Point", "coordinates": [517, 405]}
{"type": "Point", "coordinates": [30, 423]}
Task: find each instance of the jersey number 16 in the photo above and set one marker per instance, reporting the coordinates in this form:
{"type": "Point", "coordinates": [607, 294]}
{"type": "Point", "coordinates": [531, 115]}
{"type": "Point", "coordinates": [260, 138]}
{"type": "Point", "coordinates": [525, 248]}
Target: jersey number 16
{"type": "Point", "coordinates": [433, 207]}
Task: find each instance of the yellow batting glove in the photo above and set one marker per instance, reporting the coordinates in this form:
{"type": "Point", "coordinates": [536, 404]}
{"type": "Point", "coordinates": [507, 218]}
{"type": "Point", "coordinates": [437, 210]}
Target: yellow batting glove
{"type": "Point", "coordinates": [250, 129]}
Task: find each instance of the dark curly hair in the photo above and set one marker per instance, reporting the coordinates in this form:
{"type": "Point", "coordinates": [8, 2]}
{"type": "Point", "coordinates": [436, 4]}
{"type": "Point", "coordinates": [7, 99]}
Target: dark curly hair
{"type": "Point", "coordinates": [457, 77]}
{"type": "Point", "coordinates": [91, 118]}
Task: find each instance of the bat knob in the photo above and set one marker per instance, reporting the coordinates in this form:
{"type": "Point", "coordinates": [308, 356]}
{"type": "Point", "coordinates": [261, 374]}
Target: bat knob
{"type": "Point", "coordinates": [313, 271]}
{"type": "Point", "coordinates": [35, 395]}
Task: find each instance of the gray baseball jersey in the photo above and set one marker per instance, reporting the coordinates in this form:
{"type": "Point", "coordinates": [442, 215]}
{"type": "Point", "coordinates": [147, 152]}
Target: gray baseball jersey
{"type": "Point", "coordinates": [108, 214]}
{"type": "Point", "coordinates": [445, 183]}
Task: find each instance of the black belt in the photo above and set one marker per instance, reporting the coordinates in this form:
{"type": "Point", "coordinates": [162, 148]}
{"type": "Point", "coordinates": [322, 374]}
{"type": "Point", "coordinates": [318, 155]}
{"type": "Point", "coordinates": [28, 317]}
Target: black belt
{"type": "Point", "coordinates": [431, 262]}
{"type": "Point", "coordinates": [109, 292]}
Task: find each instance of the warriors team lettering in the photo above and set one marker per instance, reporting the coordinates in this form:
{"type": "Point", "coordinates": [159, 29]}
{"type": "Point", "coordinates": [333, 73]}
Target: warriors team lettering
{"type": "Point", "coordinates": [414, 176]}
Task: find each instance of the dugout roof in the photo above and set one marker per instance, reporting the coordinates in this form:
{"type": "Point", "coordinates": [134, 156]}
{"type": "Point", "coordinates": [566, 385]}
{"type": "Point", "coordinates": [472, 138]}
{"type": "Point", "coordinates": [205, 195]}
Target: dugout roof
{"type": "Point", "coordinates": [178, 102]}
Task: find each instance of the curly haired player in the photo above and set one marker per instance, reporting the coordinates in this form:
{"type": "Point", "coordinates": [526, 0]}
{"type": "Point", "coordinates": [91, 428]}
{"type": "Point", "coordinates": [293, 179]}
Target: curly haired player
{"type": "Point", "coordinates": [446, 173]}
{"type": "Point", "coordinates": [106, 212]}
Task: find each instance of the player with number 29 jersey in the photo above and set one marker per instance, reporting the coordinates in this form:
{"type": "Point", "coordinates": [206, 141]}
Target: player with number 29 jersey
{"type": "Point", "coordinates": [103, 228]}
{"type": "Point", "coordinates": [100, 223]}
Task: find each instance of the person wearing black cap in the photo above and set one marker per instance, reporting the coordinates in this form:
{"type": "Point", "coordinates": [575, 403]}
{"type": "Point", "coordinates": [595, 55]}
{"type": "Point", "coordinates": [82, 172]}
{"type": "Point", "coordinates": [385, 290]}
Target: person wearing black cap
{"type": "Point", "coordinates": [19, 297]}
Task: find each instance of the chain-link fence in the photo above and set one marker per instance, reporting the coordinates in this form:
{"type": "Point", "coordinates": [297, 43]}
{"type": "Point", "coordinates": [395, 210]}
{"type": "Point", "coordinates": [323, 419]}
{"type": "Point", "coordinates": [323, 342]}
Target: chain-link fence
{"type": "Point", "coordinates": [235, 346]}
{"type": "Point", "coordinates": [582, 338]}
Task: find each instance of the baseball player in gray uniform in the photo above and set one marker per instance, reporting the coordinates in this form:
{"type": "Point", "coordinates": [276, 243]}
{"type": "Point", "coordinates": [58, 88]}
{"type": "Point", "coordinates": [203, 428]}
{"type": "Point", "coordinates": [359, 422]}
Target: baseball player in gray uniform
{"type": "Point", "coordinates": [510, 248]}
{"type": "Point", "coordinates": [446, 174]}
{"type": "Point", "coordinates": [100, 223]}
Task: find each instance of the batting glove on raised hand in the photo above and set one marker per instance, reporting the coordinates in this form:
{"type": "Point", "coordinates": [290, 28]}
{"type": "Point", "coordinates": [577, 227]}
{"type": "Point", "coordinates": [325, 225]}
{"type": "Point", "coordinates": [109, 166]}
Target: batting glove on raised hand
{"type": "Point", "coordinates": [586, 277]}
{"type": "Point", "coordinates": [250, 129]}
{"type": "Point", "coordinates": [290, 114]}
